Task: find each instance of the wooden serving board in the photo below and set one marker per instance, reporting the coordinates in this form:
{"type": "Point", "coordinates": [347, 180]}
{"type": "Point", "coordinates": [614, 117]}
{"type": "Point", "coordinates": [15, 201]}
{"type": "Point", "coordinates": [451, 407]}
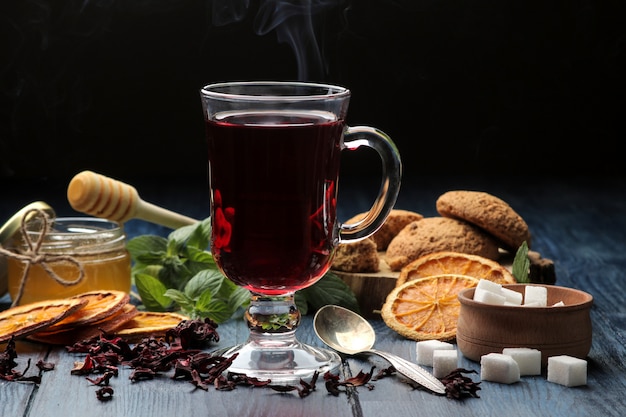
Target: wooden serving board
{"type": "Point", "coordinates": [371, 288]}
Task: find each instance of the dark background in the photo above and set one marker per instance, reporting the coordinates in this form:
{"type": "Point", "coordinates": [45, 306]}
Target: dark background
{"type": "Point", "coordinates": [493, 88]}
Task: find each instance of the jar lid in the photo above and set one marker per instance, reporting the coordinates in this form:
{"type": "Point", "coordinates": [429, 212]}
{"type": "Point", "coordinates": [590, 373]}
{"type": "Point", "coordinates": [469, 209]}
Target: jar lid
{"type": "Point", "coordinates": [9, 229]}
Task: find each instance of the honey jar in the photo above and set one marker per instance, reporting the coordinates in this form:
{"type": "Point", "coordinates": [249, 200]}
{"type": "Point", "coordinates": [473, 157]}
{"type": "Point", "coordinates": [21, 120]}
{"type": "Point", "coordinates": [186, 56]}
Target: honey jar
{"type": "Point", "coordinates": [83, 254]}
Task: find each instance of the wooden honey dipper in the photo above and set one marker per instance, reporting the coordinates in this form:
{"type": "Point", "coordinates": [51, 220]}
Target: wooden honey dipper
{"type": "Point", "coordinates": [104, 197]}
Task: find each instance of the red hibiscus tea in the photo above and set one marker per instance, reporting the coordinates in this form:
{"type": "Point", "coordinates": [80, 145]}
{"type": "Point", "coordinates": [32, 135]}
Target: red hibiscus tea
{"type": "Point", "coordinates": [273, 181]}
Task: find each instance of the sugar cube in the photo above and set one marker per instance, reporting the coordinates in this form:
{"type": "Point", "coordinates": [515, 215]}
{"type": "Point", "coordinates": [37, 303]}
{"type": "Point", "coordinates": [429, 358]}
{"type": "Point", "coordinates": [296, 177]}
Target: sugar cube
{"type": "Point", "coordinates": [528, 360]}
{"type": "Point", "coordinates": [535, 295]}
{"type": "Point", "coordinates": [567, 370]}
{"type": "Point", "coordinates": [512, 297]}
{"type": "Point", "coordinates": [485, 284]}
{"type": "Point", "coordinates": [534, 304]}
{"type": "Point", "coordinates": [489, 297]}
{"type": "Point", "coordinates": [444, 362]}
{"type": "Point", "coordinates": [498, 367]}
{"type": "Point", "coordinates": [490, 292]}
{"type": "Point", "coordinates": [425, 349]}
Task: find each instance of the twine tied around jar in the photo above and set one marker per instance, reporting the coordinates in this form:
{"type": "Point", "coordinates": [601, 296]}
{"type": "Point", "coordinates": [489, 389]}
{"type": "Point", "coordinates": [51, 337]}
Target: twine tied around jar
{"type": "Point", "coordinates": [33, 256]}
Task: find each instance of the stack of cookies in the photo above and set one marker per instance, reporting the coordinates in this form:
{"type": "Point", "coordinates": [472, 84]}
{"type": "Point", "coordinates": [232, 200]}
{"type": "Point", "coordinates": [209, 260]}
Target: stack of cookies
{"type": "Point", "coordinates": [471, 222]}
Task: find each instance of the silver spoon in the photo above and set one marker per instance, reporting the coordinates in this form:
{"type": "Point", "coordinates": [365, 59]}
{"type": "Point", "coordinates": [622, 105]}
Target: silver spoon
{"type": "Point", "coordinates": [347, 332]}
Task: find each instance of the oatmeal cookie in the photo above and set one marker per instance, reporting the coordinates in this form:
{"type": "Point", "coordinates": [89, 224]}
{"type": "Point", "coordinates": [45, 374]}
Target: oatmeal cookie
{"type": "Point", "coordinates": [396, 220]}
{"type": "Point", "coordinates": [488, 212]}
{"type": "Point", "coordinates": [360, 256]}
{"type": "Point", "coordinates": [434, 234]}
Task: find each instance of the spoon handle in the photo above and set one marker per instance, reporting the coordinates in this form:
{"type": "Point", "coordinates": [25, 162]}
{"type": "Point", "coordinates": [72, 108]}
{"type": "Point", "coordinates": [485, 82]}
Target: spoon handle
{"type": "Point", "coordinates": [412, 371]}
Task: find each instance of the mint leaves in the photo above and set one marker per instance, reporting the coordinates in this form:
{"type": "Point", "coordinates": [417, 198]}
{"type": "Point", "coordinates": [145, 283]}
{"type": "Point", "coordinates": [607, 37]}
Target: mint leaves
{"type": "Point", "coordinates": [329, 290]}
{"type": "Point", "coordinates": [521, 264]}
{"type": "Point", "coordinates": [178, 273]}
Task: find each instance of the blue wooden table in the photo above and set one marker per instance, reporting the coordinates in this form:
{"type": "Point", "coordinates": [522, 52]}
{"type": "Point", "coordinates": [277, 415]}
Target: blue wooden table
{"type": "Point", "coordinates": [579, 223]}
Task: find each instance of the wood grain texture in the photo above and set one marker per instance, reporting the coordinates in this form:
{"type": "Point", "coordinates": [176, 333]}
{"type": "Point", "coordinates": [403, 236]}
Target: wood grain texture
{"type": "Point", "coordinates": [371, 289]}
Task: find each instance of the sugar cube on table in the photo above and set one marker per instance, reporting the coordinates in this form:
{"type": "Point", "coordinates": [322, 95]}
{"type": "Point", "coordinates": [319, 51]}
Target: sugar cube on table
{"type": "Point", "coordinates": [535, 295]}
{"type": "Point", "coordinates": [528, 360]}
{"type": "Point", "coordinates": [567, 370]}
{"type": "Point", "coordinates": [444, 362]}
{"type": "Point", "coordinates": [425, 349]}
{"type": "Point", "coordinates": [497, 367]}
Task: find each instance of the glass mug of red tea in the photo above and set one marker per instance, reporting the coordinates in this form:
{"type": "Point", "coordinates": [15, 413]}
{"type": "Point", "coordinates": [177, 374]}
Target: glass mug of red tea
{"type": "Point", "coordinates": [274, 154]}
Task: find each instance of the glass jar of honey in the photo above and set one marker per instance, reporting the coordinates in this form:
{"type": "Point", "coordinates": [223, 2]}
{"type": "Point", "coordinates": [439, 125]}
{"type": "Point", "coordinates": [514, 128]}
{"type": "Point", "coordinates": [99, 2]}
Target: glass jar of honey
{"type": "Point", "coordinates": [97, 246]}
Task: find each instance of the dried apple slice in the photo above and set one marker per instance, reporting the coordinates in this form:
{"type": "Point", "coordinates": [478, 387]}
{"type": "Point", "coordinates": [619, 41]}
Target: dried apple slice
{"type": "Point", "coordinates": [100, 305]}
{"type": "Point", "coordinates": [22, 320]}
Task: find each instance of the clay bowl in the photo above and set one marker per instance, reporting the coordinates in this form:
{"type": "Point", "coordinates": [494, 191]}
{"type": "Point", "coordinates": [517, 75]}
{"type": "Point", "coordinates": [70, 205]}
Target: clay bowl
{"type": "Point", "coordinates": [564, 330]}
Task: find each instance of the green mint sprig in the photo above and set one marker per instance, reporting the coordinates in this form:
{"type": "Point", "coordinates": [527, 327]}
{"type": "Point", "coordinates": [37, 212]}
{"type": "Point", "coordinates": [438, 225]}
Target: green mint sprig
{"type": "Point", "coordinates": [178, 273]}
{"type": "Point", "coordinates": [521, 264]}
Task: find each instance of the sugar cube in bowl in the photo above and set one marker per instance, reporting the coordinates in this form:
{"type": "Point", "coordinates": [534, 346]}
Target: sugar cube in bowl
{"type": "Point", "coordinates": [554, 329]}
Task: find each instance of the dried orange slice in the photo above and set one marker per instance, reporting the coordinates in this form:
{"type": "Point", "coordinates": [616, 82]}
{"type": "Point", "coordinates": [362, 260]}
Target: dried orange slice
{"type": "Point", "coordinates": [455, 263]}
{"type": "Point", "coordinates": [72, 334]}
{"type": "Point", "coordinates": [149, 323]}
{"type": "Point", "coordinates": [99, 305]}
{"type": "Point", "coordinates": [25, 319]}
{"type": "Point", "coordinates": [426, 308]}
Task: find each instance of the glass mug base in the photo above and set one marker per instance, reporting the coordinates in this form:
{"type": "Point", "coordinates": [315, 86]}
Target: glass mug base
{"type": "Point", "coordinates": [272, 350]}
{"type": "Point", "coordinates": [281, 359]}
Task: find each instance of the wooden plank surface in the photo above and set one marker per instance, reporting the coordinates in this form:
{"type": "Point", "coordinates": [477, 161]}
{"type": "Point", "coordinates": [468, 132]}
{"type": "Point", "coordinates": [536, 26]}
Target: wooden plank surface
{"type": "Point", "coordinates": [62, 393]}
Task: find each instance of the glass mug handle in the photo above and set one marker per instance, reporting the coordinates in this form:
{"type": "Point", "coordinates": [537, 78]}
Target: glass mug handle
{"type": "Point", "coordinates": [355, 137]}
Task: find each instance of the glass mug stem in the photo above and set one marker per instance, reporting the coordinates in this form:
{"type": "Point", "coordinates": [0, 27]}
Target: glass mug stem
{"type": "Point", "coordinates": [278, 314]}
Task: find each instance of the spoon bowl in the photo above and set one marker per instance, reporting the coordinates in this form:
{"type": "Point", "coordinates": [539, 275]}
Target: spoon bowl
{"type": "Point", "coordinates": [349, 333]}
{"type": "Point", "coordinates": [343, 330]}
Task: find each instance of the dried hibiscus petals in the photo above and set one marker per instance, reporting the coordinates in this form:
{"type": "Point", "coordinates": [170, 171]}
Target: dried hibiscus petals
{"type": "Point", "coordinates": [141, 374]}
{"type": "Point", "coordinates": [384, 373]}
{"type": "Point", "coordinates": [304, 389]}
{"type": "Point", "coordinates": [202, 369]}
{"type": "Point", "coordinates": [150, 357]}
{"type": "Point", "coordinates": [7, 359]}
{"type": "Point", "coordinates": [334, 384]}
{"type": "Point", "coordinates": [8, 365]}
{"type": "Point", "coordinates": [104, 393]}
{"type": "Point", "coordinates": [44, 366]}
{"type": "Point", "coordinates": [231, 380]}
{"type": "Point", "coordinates": [193, 334]}
{"type": "Point", "coordinates": [361, 379]}
{"type": "Point", "coordinates": [459, 386]}
{"type": "Point", "coordinates": [102, 380]}
{"type": "Point", "coordinates": [93, 365]}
